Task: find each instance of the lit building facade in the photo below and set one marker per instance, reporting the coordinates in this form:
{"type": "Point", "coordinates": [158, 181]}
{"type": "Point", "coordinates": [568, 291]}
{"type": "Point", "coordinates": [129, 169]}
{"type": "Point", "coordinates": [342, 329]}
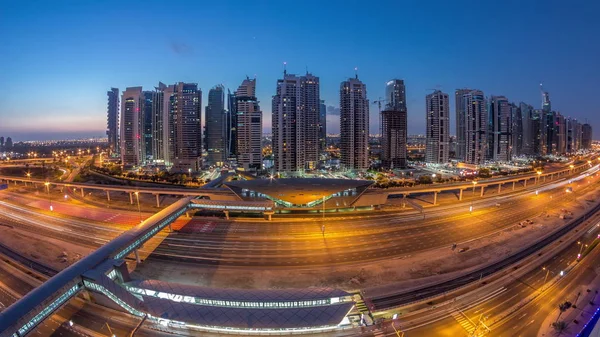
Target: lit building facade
{"type": "Point", "coordinates": [354, 125]}
{"type": "Point", "coordinates": [215, 132]}
{"type": "Point", "coordinates": [131, 142]}
{"type": "Point", "coordinates": [112, 120]}
{"type": "Point", "coordinates": [437, 127]}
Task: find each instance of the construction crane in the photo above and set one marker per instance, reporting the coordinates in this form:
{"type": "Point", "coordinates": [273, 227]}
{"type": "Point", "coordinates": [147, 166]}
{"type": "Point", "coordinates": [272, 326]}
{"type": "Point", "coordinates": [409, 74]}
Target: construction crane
{"type": "Point", "coordinates": [378, 102]}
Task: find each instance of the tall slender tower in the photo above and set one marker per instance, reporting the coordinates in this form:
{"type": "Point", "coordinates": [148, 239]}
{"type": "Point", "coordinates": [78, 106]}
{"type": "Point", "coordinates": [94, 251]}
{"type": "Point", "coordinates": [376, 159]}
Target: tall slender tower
{"type": "Point", "coordinates": [586, 136]}
{"type": "Point", "coordinates": [186, 103]}
{"type": "Point", "coordinates": [249, 126]}
{"type": "Point", "coordinates": [132, 145]}
{"type": "Point", "coordinates": [295, 122]}
{"type": "Point", "coordinates": [474, 106]}
{"type": "Point", "coordinates": [394, 126]}
{"type": "Point", "coordinates": [146, 115]}
{"type": "Point", "coordinates": [162, 131]}
{"type": "Point", "coordinates": [354, 124]}
{"type": "Point", "coordinates": [438, 126]}
{"type": "Point", "coordinates": [112, 120]}
{"type": "Point", "coordinates": [214, 134]}
{"type": "Point", "coordinates": [322, 126]}
{"type": "Point", "coordinates": [499, 140]}
{"type": "Point", "coordinates": [461, 123]}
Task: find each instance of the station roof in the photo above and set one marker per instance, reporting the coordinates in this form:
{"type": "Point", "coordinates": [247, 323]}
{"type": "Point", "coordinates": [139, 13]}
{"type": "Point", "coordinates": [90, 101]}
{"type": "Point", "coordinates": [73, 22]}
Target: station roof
{"type": "Point", "coordinates": [297, 190]}
{"type": "Point", "coordinates": [250, 295]}
{"type": "Point", "coordinates": [244, 318]}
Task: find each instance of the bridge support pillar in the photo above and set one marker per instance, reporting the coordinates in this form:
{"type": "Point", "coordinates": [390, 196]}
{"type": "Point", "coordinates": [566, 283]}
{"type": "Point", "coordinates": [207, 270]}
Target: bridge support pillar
{"type": "Point", "coordinates": [404, 200]}
{"type": "Point", "coordinates": [435, 198]}
{"type": "Point", "coordinates": [170, 227]}
{"type": "Point", "coordinates": [130, 198]}
{"type": "Point", "coordinates": [499, 188]}
{"type": "Point", "coordinates": [187, 215]}
{"type": "Point", "coordinates": [525, 183]}
{"type": "Point", "coordinates": [157, 200]}
{"type": "Point", "coordinates": [460, 193]}
{"type": "Point", "coordinates": [137, 256]}
{"type": "Point", "coordinates": [514, 182]}
{"type": "Point", "coordinates": [269, 217]}
{"type": "Point", "coordinates": [82, 192]}
{"type": "Point", "coordinates": [226, 214]}
{"type": "Point", "coordinates": [481, 194]}
{"type": "Point", "coordinates": [108, 195]}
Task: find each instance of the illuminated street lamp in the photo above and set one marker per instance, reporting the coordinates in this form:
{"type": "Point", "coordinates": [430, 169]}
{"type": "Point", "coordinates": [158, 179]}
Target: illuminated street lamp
{"type": "Point", "coordinates": [580, 249]}
{"type": "Point", "coordinates": [137, 197]}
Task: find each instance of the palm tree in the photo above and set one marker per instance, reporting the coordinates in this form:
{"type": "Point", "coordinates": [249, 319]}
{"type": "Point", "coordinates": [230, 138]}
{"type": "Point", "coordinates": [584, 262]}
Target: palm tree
{"type": "Point", "coordinates": [560, 327]}
{"type": "Point", "coordinates": [563, 307]}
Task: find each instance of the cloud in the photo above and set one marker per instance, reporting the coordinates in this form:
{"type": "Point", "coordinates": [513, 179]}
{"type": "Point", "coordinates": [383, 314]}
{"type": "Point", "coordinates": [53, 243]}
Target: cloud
{"type": "Point", "coordinates": [331, 110]}
{"type": "Point", "coordinates": [181, 48]}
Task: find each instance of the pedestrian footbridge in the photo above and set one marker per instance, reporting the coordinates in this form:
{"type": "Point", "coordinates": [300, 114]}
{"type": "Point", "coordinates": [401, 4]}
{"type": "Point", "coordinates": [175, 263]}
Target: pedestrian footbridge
{"type": "Point", "coordinates": [103, 277]}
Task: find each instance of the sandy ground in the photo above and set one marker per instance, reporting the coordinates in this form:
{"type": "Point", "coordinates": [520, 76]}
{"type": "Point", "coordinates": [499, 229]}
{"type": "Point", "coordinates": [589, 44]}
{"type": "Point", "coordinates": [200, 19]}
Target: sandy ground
{"type": "Point", "coordinates": [48, 251]}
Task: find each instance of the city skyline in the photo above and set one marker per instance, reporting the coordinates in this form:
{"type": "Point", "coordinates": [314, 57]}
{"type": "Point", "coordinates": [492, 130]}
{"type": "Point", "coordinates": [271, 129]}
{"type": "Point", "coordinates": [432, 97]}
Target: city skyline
{"type": "Point", "coordinates": [88, 62]}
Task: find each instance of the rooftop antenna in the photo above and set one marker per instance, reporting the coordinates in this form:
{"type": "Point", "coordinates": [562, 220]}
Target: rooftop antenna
{"type": "Point", "coordinates": [284, 68]}
{"type": "Point", "coordinates": [356, 72]}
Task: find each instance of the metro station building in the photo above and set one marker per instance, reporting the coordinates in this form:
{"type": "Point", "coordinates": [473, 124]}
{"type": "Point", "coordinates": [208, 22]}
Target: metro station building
{"type": "Point", "coordinates": [309, 194]}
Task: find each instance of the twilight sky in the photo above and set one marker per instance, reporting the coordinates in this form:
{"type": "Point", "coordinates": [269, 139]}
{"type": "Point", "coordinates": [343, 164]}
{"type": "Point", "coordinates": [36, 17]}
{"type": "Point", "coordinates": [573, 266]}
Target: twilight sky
{"type": "Point", "coordinates": [58, 58]}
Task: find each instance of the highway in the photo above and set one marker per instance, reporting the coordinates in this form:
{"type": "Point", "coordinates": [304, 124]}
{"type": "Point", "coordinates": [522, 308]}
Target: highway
{"type": "Point", "coordinates": [527, 321]}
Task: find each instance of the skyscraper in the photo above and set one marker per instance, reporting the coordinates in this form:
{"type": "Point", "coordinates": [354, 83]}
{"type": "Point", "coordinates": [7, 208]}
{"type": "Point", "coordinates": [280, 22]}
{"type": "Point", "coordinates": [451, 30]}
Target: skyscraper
{"type": "Point", "coordinates": [295, 122]}
{"type": "Point", "coordinates": [499, 129]}
{"type": "Point", "coordinates": [354, 124]}
{"type": "Point", "coordinates": [322, 126]}
{"type": "Point", "coordinates": [461, 123]}
{"type": "Point", "coordinates": [394, 125]}
{"type": "Point", "coordinates": [1, 142]}
{"type": "Point", "coordinates": [187, 132]}
{"type": "Point", "coordinates": [112, 119]}
{"type": "Point", "coordinates": [215, 133]}
{"type": "Point", "coordinates": [146, 115]}
{"type": "Point", "coordinates": [437, 127]}
{"type": "Point", "coordinates": [561, 134]}
{"type": "Point", "coordinates": [162, 133]}
{"type": "Point", "coordinates": [527, 130]}
{"type": "Point", "coordinates": [395, 94]}
{"type": "Point", "coordinates": [249, 126]}
{"type": "Point", "coordinates": [9, 143]}
{"type": "Point", "coordinates": [586, 136]}
{"type": "Point", "coordinates": [474, 107]}
{"type": "Point", "coordinates": [132, 145]}
{"type": "Point", "coordinates": [516, 128]}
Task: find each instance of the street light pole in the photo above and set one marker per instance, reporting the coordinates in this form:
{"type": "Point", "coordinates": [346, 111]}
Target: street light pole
{"type": "Point", "coordinates": [137, 197]}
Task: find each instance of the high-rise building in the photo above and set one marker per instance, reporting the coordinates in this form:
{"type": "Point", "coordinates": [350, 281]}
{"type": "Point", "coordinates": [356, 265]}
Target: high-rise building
{"type": "Point", "coordinates": [586, 136]}
{"type": "Point", "coordinates": [461, 123]}
{"type": "Point", "coordinates": [162, 133]}
{"type": "Point", "coordinates": [394, 125]}
{"type": "Point", "coordinates": [354, 125]}
{"type": "Point", "coordinates": [527, 130]}
{"type": "Point", "coordinates": [437, 127]}
{"type": "Point", "coordinates": [474, 106]}
{"type": "Point", "coordinates": [249, 126]}
{"type": "Point", "coordinates": [538, 132]}
{"type": "Point", "coordinates": [516, 128]}
{"type": "Point", "coordinates": [231, 129]}
{"type": "Point", "coordinates": [1, 142]}
{"type": "Point", "coordinates": [295, 123]}
{"type": "Point", "coordinates": [112, 119]}
{"type": "Point", "coordinates": [186, 125]}
{"type": "Point", "coordinates": [215, 133]}
{"type": "Point", "coordinates": [571, 146]}
{"type": "Point", "coordinates": [131, 143]}
{"type": "Point", "coordinates": [395, 95]}
{"type": "Point", "coordinates": [9, 143]}
{"type": "Point", "coordinates": [146, 115]}
{"type": "Point", "coordinates": [499, 138]}
{"type": "Point", "coordinates": [322, 126]}
{"type": "Point", "coordinates": [561, 134]}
